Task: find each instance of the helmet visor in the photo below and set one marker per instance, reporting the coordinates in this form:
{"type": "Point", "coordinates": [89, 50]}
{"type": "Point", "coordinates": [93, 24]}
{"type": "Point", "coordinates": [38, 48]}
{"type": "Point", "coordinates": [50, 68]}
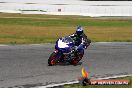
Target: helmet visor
{"type": "Point", "coordinates": [79, 33]}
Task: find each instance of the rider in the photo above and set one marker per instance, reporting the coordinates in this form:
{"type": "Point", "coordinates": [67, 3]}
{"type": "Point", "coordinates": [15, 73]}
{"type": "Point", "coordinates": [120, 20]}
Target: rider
{"type": "Point", "coordinates": [80, 39]}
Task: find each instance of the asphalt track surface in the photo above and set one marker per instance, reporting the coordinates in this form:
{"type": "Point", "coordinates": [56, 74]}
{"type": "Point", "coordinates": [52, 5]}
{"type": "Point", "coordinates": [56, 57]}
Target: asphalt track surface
{"type": "Point", "coordinates": [25, 66]}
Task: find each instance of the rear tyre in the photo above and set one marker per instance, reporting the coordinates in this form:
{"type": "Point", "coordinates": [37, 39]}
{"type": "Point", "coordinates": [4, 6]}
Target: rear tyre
{"type": "Point", "coordinates": [53, 59]}
{"type": "Point", "coordinates": [75, 61]}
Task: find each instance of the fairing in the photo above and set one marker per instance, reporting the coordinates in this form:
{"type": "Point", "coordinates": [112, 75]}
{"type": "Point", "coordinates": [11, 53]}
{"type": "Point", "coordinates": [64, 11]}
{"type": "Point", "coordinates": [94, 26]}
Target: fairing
{"type": "Point", "coordinates": [64, 44]}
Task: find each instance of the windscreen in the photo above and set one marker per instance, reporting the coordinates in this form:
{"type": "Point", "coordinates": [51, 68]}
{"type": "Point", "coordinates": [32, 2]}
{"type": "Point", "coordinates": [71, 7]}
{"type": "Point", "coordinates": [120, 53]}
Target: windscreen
{"type": "Point", "coordinates": [67, 39]}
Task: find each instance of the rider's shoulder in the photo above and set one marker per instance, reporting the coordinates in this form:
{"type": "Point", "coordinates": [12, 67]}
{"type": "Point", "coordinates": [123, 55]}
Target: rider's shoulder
{"type": "Point", "coordinates": [84, 35]}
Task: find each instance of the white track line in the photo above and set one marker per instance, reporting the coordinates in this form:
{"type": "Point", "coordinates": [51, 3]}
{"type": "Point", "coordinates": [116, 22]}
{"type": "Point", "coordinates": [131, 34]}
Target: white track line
{"type": "Point", "coordinates": [112, 77]}
{"type": "Point", "coordinates": [104, 42]}
{"type": "Point", "coordinates": [112, 42]}
{"type": "Point", "coordinates": [61, 84]}
{"type": "Point", "coordinates": [4, 45]}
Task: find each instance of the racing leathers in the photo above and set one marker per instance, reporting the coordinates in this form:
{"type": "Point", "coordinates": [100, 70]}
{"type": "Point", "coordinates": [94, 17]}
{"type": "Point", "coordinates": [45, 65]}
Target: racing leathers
{"type": "Point", "coordinates": [81, 42]}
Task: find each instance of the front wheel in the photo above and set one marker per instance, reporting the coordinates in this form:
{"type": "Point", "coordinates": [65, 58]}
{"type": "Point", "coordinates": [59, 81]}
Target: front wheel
{"type": "Point", "coordinates": [53, 59]}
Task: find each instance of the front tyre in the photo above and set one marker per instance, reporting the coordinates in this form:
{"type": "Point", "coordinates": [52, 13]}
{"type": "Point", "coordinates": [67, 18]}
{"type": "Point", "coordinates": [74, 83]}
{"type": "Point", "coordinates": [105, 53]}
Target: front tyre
{"type": "Point", "coordinates": [53, 59]}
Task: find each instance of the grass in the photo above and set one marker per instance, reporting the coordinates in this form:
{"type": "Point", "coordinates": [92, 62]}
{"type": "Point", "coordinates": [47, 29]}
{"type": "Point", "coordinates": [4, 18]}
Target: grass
{"type": "Point", "coordinates": [102, 86]}
{"type": "Point", "coordinates": [28, 29]}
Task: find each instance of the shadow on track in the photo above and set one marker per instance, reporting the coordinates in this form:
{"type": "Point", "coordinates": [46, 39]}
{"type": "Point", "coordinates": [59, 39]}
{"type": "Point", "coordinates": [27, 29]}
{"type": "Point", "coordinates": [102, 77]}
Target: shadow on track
{"type": "Point", "coordinates": [67, 64]}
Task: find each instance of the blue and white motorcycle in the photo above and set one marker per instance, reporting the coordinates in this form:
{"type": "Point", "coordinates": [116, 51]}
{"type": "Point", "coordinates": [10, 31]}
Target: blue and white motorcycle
{"type": "Point", "coordinates": [66, 51]}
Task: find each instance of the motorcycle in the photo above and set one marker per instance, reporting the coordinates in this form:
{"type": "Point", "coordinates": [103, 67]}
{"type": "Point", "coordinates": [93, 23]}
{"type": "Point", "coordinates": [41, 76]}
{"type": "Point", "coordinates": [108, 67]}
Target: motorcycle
{"type": "Point", "coordinates": [66, 51]}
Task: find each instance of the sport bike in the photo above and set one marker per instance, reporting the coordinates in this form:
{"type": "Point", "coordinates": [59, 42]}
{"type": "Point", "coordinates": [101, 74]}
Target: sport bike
{"type": "Point", "coordinates": [66, 51]}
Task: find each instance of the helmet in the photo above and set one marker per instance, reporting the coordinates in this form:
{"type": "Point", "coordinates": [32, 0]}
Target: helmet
{"type": "Point", "coordinates": [79, 30]}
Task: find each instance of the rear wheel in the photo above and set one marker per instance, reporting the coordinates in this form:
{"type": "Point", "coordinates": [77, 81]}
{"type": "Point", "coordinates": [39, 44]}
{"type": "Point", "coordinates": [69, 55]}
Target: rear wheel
{"type": "Point", "coordinates": [53, 59]}
{"type": "Point", "coordinates": [75, 61]}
